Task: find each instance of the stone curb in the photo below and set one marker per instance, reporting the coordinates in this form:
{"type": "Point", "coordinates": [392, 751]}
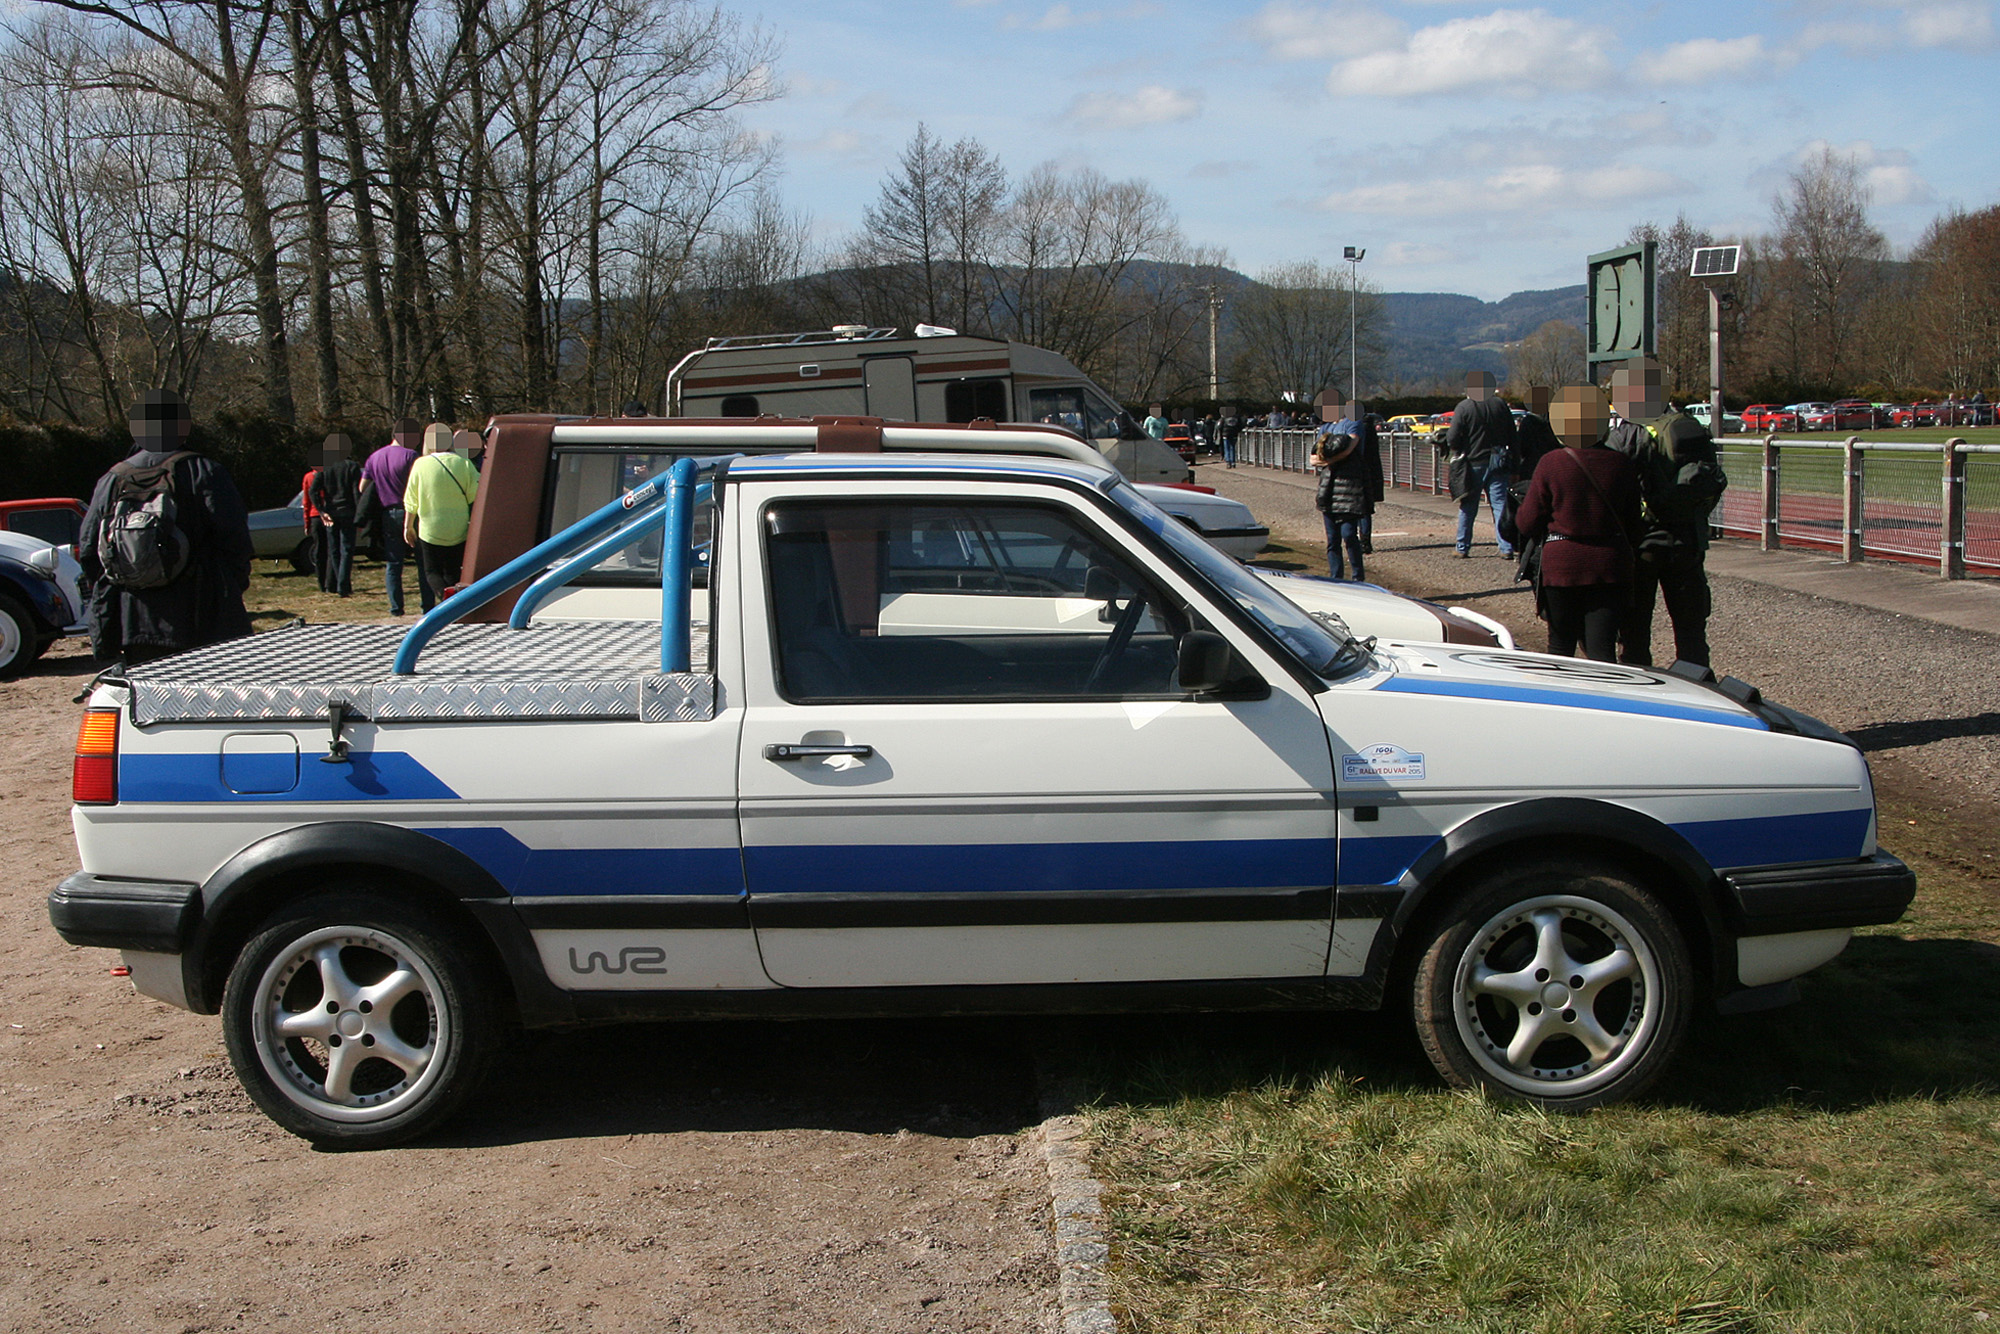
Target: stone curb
{"type": "Point", "coordinates": [1076, 1199]}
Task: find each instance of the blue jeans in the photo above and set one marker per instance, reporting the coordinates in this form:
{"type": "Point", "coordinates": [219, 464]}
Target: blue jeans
{"type": "Point", "coordinates": [1229, 450]}
{"type": "Point", "coordinates": [1468, 505]}
{"type": "Point", "coordinates": [395, 554]}
{"type": "Point", "coordinates": [338, 575]}
{"type": "Point", "coordinates": [1343, 532]}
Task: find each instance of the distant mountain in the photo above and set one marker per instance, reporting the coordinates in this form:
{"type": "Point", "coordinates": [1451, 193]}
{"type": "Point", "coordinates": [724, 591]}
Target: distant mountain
{"type": "Point", "coordinates": [1438, 336]}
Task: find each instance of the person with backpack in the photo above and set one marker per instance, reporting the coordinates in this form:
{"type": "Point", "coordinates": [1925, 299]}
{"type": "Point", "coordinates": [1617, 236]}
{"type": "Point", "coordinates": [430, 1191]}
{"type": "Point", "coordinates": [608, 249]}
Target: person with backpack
{"type": "Point", "coordinates": [1231, 427]}
{"type": "Point", "coordinates": [1682, 482]}
{"type": "Point", "coordinates": [336, 494]}
{"type": "Point", "coordinates": [437, 511]}
{"type": "Point", "coordinates": [165, 543]}
{"type": "Point", "coordinates": [1480, 444]}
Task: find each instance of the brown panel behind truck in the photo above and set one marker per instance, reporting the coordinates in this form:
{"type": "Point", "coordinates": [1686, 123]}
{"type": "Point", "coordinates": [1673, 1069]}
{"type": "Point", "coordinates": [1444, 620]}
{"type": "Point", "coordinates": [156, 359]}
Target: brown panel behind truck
{"type": "Point", "coordinates": [507, 514]}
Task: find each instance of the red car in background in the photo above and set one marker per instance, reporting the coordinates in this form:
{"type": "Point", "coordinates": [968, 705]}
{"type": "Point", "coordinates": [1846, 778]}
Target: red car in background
{"type": "Point", "coordinates": [1181, 440]}
{"type": "Point", "coordinates": [56, 521]}
{"type": "Point", "coordinates": [1769, 417]}
{"type": "Point", "coordinates": [1854, 414]}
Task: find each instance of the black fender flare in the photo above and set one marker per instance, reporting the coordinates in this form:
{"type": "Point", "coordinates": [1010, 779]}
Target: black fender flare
{"type": "Point", "coordinates": [1543, 825]}
{"type": "Point", "coordinates": [243, 889]}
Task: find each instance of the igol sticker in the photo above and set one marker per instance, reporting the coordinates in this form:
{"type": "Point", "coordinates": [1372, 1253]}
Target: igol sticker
{"type": "Point", "coordinates": [1382, 762]}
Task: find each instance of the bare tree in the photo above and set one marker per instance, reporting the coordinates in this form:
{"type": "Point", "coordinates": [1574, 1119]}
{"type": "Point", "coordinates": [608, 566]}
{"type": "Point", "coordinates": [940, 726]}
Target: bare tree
{"type": "Point", "coordinates": [1552, 355]}
{"type": "Point", "coordinates": [1957, 299]}
{"type": "Point", "coordinates": [1292, 331]}
{"type": "Point", "coordinates": [1681, 307]}
{"type": "Point", "coordinates": [1824, 256]}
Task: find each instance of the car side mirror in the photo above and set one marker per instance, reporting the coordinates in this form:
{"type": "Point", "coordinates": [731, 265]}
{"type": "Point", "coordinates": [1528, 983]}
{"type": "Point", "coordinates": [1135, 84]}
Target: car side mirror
{"type": "Point", "coordinates": [1208, 665]}
{"type": "Point", "coordinates": [1100, 585]}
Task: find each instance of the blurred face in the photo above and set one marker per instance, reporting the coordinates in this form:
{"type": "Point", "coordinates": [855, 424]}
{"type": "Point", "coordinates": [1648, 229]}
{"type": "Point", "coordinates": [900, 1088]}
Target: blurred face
{"type": "Point", "coordinates": [1635, 390]}
{"type": "Point", "coordinates": [1578, 416]}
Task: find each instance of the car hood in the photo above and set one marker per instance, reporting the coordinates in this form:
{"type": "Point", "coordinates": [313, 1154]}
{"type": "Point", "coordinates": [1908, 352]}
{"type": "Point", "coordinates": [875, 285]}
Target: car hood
{"type": "Point", "coordinates": [1541, 678]}
{"type": "Point", "coordinates": [1209, 511]}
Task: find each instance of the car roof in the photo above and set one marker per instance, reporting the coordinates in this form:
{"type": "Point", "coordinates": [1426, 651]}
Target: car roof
{"type": "Point", "coordinates": [1011, 465]}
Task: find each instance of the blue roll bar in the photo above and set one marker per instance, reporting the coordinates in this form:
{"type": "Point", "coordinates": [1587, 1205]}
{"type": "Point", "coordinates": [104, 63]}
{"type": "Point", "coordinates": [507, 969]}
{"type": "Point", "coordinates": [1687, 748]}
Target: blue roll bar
{"type": "Point", "coordinates": [627, 519]}
{"type": "Point", "coordinates": [616, 540]}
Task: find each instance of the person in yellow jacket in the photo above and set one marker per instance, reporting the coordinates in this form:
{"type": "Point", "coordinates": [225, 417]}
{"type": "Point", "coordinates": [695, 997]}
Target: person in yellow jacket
{"type": "Point", "coordinates": [437, 510]}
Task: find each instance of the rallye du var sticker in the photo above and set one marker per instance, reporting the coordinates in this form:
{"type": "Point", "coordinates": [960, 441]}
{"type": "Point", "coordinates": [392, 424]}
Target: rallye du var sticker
{"type": "Point", "coordinates": [1382, 761]}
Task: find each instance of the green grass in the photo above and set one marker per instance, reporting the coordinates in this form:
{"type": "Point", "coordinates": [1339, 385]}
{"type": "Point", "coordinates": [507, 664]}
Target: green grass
{"type": "Point", "coordinates": [279, 594]}
{"type": "Point", "coordinates": [1831, 1166]}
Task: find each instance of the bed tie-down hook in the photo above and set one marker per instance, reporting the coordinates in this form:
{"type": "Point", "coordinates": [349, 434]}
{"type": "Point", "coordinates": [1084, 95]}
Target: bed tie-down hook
{"type": "Point", "coordinates": [336, 746]}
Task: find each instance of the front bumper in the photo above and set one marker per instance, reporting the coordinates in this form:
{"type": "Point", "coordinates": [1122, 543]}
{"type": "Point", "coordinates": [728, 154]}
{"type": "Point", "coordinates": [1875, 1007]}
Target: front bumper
{"type": "Point", "coordinates": [1868, 892]}
{"type": "Point", "coordinates": [151, 916]}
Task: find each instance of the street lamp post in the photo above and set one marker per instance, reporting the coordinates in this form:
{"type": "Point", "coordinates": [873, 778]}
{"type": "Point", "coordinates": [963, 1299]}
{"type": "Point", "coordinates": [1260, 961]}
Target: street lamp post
{"type": "Point", "coordinates": [1353, 255]}
{"type": "Point", "coordinates": [1214, 291]}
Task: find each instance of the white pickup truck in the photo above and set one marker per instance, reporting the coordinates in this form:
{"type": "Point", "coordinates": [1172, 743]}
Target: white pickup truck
{"type": "Point", "coordinates": [939, 733]}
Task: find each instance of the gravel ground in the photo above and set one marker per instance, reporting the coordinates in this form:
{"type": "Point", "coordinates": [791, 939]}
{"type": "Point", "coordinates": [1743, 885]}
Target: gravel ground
{"type": "Point", "coordinates": [854, 1177]}
{"type": "Point", "coordinates": [1922, 699]}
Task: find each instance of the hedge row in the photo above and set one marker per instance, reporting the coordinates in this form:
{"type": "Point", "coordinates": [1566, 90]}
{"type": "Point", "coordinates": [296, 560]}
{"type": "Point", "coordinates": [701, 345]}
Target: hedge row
{"type": "Point", "coordinates": [267, 458]}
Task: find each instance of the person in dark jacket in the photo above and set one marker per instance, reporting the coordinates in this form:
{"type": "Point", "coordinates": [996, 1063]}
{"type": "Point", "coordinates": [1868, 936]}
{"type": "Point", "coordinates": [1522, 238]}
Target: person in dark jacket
{"type": "Point", "coordinates": [204, 603]}
{"type": "Point", "coordinates": [1664, 445]}
{"type": "Point", "coordinates": [1533, 437]}
{"type": "Point", "coordinates": [1583, 502]}
{"type": "Point", "coordinates": [1231, 426]}
{"type": "Point", "coordinates": [1480, 441]}
{"type": "Point", "coordinates": [1342, 497]}
{"type": "Point", "coordinates": [336, 494]}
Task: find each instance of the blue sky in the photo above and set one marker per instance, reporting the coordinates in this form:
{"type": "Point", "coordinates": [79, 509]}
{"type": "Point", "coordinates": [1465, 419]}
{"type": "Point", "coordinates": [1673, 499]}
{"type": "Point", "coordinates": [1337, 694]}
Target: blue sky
{"type": "Point", "coordinates": [1470, 148]}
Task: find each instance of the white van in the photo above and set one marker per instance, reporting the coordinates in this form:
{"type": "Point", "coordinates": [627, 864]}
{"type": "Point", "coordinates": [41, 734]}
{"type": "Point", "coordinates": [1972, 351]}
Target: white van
{"type": "Point", "coordinates": [937, 376]}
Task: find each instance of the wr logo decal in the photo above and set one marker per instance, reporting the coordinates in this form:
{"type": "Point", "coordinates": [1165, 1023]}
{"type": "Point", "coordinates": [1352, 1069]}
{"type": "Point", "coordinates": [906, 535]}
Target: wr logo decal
{"type": "Point", "coordinates": [631, 959]}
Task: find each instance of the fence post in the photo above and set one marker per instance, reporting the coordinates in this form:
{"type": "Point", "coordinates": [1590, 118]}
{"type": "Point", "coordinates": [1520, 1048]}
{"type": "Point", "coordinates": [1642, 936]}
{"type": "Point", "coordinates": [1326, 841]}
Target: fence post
{"type": "Point", "coordinates": [1850, 500]}
{"type": "Point", "coordinates": [1768, 535]}
{"type": "Point", "coordinates": [1951, 533]}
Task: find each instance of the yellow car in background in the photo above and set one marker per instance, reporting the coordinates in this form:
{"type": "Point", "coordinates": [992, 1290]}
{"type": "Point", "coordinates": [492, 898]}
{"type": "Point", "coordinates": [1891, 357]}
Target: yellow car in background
{"type": "Point", "coordinates": [1409, 424]}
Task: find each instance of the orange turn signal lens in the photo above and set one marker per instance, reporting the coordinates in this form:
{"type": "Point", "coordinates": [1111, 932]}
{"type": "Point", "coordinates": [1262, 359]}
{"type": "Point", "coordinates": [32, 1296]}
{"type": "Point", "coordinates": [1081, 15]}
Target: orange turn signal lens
{"type": "Point", "coordinates": [94, 775]}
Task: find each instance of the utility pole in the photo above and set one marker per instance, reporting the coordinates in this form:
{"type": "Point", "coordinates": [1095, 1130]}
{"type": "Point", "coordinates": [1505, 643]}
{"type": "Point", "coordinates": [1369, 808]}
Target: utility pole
{"type": "Point", "coordinates": [1353, 257]}
{"type": "Point", "coordinates": [1214, 291]}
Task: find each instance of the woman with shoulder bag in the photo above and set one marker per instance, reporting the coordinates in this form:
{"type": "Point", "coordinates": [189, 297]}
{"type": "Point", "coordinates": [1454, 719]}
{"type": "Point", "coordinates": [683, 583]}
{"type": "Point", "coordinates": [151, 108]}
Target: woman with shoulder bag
{"type": "Point", "coordinates": [1583, 502]}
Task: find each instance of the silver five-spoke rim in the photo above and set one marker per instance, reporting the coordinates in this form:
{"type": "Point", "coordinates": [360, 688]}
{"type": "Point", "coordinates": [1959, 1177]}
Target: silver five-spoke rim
{"type": "Point", "coordinates": [1557, 996]}
{"type": "Point", "coordinates": [348, 1024]}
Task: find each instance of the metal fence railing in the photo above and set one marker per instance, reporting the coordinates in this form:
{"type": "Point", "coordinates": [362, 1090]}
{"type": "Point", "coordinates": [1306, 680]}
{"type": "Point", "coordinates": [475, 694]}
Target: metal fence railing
{"type": "Point", "coordinates": [1933, 504]}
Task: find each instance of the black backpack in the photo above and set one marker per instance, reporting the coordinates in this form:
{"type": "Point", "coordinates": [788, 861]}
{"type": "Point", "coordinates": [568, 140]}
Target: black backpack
{"type": "Point", "coordinates": [1692, 479]}
{"type": "Point", "coordinates": [140, 542]}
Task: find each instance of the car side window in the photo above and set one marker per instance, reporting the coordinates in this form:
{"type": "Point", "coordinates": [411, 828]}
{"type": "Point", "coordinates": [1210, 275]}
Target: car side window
{"type": "Point", "coordinates": [965, 601]}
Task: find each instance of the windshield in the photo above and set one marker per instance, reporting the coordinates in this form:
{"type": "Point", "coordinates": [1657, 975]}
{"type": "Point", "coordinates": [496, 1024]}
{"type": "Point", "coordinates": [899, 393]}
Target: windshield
{"type": "Point", "coordinates": [1321, 641]}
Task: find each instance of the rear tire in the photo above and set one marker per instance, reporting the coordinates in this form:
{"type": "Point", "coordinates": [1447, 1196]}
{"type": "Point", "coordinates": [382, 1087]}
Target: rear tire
{"type": "Point", "coordinates": [302, 556]}
{"type": "Point", "coordinates": [357, 1021]}
{"type": "Point", "coordinates": [1560, 983]}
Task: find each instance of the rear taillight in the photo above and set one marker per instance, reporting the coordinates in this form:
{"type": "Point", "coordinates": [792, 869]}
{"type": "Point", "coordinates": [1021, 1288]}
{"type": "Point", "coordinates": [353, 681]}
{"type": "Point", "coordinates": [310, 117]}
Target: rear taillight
{"type": "Point", "coordinates": [94, 777]}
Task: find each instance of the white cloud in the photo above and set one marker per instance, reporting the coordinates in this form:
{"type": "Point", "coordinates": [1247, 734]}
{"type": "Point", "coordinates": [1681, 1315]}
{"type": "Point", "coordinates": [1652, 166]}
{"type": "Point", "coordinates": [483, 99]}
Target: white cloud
{"type": "Point", "coordinates": [1333, 32]}
{"type": "Point", "coordinates": [805, 85]}
{"type": "Point", "coordinates": [1410, 254]}
{"type": "Point", "coordinates": [1515, 51]}
{"type": "Point", "coordinates": [1889, 174]}
{"type": "Point", "coordinates": [1954, 25]}
{"type": "Point", "coordinates": [1712, 58]}
{"type": "Point", "coordinates": [1056, 18]}
{"type": "Point", "coordinates": [1535, 186]}
{"type": "Point", "coordinates": [1154, 104]}
{"type": "Point", "coordinates": [834, 143]}
{"type": "Point", "coordinates": [1216, 170]}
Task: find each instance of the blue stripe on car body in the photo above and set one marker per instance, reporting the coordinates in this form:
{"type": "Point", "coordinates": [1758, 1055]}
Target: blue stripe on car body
{"type": "Point", "coordinates": [380, 775]}
{"type": "Point", "coordinates": [1407, 685]}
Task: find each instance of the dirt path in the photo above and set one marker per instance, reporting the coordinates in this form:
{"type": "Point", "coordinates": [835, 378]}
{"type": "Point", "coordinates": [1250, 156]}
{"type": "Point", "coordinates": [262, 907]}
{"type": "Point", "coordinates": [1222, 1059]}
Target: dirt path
{"type": "Point", "coordinates": [857, 1177]}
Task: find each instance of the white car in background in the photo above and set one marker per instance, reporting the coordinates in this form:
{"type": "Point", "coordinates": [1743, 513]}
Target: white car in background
{"type": "Point", "coordinates": [1371, 610]}
{"type": "Point", "coordinates": [1228, 524]}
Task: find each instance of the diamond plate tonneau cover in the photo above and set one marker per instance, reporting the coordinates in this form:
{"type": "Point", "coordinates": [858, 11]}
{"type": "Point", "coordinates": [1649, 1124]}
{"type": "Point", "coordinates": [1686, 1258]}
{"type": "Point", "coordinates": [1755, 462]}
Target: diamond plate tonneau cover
{"type": "Point", "coordinates": [557, 669]}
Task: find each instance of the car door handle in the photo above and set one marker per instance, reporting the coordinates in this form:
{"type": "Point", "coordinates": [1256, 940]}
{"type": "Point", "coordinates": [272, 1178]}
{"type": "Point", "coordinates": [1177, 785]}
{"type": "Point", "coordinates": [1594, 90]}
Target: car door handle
{"type": "Point", "coordinates": [802, 751]}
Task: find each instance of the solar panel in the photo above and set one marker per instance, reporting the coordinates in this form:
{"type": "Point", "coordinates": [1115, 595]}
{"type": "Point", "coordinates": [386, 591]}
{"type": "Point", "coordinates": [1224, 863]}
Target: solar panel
{"type": "Point", "coordinates": [1716, 261]}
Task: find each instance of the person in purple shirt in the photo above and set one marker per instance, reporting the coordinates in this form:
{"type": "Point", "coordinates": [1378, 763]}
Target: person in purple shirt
{"type": "Point", "coordinates": [383, 475]}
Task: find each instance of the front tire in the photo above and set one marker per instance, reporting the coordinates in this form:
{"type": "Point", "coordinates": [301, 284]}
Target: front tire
{"type": "Point", "coordinates": [21, 639]}
{"type": "Point", "coordinates": [1561, 984]}
{"type": "Point", "coordinates": [357, 1022]}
